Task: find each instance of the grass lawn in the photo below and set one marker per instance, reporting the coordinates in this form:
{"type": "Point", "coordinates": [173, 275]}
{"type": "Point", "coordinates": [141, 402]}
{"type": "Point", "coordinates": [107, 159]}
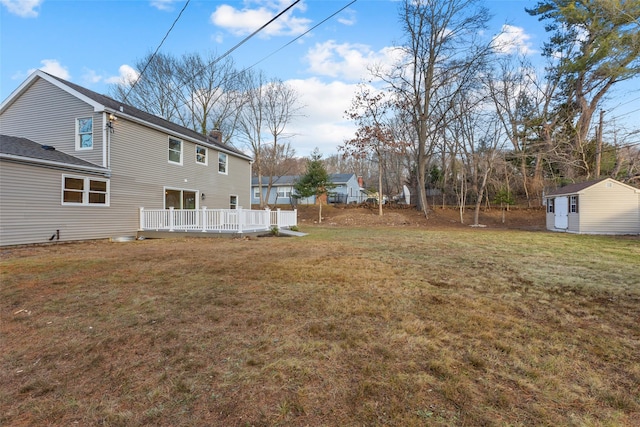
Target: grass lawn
{"type": "Point", "coordinates": [344, 327]}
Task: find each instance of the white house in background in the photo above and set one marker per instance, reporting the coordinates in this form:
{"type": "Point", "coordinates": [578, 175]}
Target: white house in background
{"type": "Point", "coordinates": [78, 165]}
{"type": "Point", "coordinates": [605, 206]}
{"type": "Point", "coordinates": [347, 190]}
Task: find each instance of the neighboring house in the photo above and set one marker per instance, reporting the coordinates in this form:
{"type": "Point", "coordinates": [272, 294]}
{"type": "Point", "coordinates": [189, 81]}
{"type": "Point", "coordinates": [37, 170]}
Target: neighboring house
{"type": "Point", "coordinates": [605, 206]}
{"type": "Point", "coordinates": [347, 189]}
{"type": "Point", "coordinates": [78, 165]}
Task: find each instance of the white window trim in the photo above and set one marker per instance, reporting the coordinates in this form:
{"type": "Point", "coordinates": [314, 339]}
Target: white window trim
{"type": "Point", "coordinates": [256, 192]}
{"type": "Point", "coordinates": [85, 192]}
{"type": "Point", "coordinates": [237, 201]}
{"type": "Point", "coordinates": [78, 139]}
{"type": "Point", "coordinates": [181, 190]}
{"type": "Point", "coordinates": [206, 156]}
{"type": "Point", "coordinates": [169, 150]}
{"type": "Point", "coordinates": [286, 192]}
{"type": "Point", "coordinates": [226, 163]}
{"type": "Point", "coordinates": [573, 204]}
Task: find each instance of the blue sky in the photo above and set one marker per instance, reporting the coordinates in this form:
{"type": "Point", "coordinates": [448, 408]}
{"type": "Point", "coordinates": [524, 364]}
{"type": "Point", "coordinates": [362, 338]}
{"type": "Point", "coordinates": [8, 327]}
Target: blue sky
{"type": "Point", "coordinates": [95, 42]}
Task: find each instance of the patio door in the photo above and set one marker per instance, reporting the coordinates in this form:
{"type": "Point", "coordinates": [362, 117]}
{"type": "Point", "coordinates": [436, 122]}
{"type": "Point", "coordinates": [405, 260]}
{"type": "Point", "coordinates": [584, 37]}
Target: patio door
{"type": "Point", "coordinates": [179, 199]}
{"type": "Point", "coordinates": [561, 213]}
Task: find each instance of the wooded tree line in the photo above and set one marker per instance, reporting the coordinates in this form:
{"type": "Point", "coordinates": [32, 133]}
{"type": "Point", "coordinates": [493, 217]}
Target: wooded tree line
{"type": "Point", "coordinates": [457, 118]}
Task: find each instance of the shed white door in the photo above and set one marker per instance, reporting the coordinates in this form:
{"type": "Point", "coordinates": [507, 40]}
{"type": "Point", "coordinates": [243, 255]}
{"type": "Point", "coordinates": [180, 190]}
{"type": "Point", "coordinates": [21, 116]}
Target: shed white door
{"type": "Point", "coordinates": [561, 213]}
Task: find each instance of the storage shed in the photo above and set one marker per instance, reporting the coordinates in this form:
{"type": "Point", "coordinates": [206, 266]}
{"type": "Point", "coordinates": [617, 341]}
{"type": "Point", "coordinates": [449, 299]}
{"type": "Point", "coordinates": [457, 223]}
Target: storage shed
{"type": "Point", "coordinates": [605, 206]}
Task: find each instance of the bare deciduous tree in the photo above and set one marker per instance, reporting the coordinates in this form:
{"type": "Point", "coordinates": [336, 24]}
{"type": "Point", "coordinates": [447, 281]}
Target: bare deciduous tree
{"type": "Point", "coordinates": [440, 52]}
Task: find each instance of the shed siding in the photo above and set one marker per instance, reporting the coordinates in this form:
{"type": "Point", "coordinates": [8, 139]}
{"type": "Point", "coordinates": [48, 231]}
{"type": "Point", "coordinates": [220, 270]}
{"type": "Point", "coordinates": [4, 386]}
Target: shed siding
{"type": "Point", "coordinates": [609, 209]}
{"type": "Point", "coordinates": [46, 114]}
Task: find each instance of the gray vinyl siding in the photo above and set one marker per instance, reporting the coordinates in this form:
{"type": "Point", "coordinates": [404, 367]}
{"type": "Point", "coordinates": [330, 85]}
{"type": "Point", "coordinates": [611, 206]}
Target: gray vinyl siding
{"type": "Point", "coordinates": [47, 115]}
{"type": "Point", "coordinates": [31, 208]}
{"type": "Point", "coordinates": [141, 171]}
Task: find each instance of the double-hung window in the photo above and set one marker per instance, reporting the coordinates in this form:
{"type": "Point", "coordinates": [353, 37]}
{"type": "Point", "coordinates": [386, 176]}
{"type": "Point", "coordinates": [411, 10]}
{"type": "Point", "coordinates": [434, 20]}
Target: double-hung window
{"type": "Point", "coordinates": [201, 155]}
{"type": "Point", "coordinates": [233, 202]}
{"type": "Point", "coordinates": [573, 204]}
{"type": "Point", "coordinates": [222, 163]}
{"type": "Point", "coordinates": [284, 192]}
{"type": "Point", "coordinates": [175, 151]}
{"type": "Point", "coordinates": [77, 190]}
{"type": "Point", "coordinates": [84, 133]}
{"type": "Point", "coordinates": [551, 205]}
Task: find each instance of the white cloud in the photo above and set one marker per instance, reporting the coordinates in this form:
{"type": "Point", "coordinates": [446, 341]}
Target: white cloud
{"type": "Point", "coordinates": [163, 4]}
{"type": "Point", "coordinates": [512, 39]}
{"type": "Point", "coordinates": [90, 77]}
{"type": "Point", "coordinates": [54, 68]}
{"type": "Point", "coordinates": [323, 125]}
{"type": "Point", "coordinates": [23, 8]}
{"type": "Point", "coordinates": [247, 20]}
{"type": "Point", "coordinates": [126, 74]}
{"type": "Point", "coordinates": [347, 17]}
{"type": "Point", "coordinates": [347, 60]}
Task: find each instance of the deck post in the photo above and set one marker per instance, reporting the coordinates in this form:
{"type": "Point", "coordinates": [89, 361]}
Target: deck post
{"type": "Point", "coordinates": [240, 219]}
{"type": "Point", "coordinates": [141, 218]}
{"type": "Point", "coordinates": [204, 219]}
{"type": "Point", "coordinates": [171, 218]}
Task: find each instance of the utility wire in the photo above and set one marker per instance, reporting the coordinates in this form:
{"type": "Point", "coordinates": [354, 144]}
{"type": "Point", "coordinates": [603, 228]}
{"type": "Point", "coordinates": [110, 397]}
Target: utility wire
{"type": "Point", "coordinates": [255, 32]}
{"type": "Point", "coordinates": [155, 53]}
{"type": "Point", "coordinates": [300, 36]}
{"type": "Point", "coordinates": [228, 52]}
{"type": "Point", "coordinates": [623, 104]}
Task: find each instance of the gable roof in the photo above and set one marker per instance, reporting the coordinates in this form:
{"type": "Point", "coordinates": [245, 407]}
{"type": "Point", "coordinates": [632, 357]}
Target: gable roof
{"type": "Point", "coordinates": [288, 180]}
{"type": "Point", "coordinates": [102, 103]}
{"type": "Point", "coordinates": [580, 186]}
{"type": "Point", "coordinates": [27, 151]}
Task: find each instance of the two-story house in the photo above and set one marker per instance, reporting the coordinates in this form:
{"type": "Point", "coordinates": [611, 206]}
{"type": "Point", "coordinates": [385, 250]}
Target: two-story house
{"type": "Point", "coordinates": [78, 165]}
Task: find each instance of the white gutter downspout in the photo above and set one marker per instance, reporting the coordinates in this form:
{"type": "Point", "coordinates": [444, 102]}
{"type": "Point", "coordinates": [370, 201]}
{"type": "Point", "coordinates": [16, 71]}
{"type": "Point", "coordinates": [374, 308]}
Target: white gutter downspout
{"type": "Point", "coordinates": [106, 138]}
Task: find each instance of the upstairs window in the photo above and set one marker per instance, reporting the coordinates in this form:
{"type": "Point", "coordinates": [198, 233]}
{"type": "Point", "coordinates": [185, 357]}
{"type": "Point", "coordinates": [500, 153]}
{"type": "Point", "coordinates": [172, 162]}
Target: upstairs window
{"type": "Point", "coordinates": [222, 163]}
{"type": "Point", "coordinates": [84, 191]}
{"type": "Point", "coordinates": [573, 204]}
{"type": "Point", "coordinates": [175, 151]}
{"type": "Point", "coordinates": [201, 155]}
{"type": "Point", "coordinates": [84, 133]}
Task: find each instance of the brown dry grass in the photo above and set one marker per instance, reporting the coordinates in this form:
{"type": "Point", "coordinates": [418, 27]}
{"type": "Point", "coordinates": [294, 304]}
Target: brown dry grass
{"type": "Point", "coordinates": [347, 326]}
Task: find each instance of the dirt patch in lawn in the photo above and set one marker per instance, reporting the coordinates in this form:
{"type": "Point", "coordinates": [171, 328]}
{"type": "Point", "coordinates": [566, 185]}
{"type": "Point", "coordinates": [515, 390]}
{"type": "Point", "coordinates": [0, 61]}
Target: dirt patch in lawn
{"type": "Point", "coordinates": [409, 216]}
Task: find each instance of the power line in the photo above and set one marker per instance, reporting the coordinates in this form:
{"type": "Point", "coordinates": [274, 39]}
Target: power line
{"type": "Point", "coordinates": [156, 52]}
{"type": "Point", "coordinates": [301, 35]}
{"type": "Point", "coordinates": [628, 112]}
{"type": "Point", "coordinates": [255, 32]}
{"type": "Point", "coordinates": [624, 103]}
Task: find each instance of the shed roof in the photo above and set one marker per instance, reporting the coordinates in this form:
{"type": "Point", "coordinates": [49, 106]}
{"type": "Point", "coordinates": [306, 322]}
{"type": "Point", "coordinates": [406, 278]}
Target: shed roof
{"type": "Point", "coordinates": [23, 149]}
{"type": "Point", "coordinates": [581, 186]}
{"type": "Point", "coordinates": [572, 188]}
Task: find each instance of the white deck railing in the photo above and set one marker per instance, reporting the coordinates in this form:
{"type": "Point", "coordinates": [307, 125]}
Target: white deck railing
{"type": "Point", "coordinates": [216, 220]}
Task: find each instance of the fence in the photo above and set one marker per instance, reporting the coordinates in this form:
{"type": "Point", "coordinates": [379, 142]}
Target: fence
{"type": "Point", "coordinates": [216, 220]}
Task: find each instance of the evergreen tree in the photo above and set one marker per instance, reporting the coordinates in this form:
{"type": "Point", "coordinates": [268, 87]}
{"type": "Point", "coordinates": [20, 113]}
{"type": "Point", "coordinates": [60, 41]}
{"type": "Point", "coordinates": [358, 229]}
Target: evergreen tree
{"type": "Point", "coordinates": [315, 181]}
